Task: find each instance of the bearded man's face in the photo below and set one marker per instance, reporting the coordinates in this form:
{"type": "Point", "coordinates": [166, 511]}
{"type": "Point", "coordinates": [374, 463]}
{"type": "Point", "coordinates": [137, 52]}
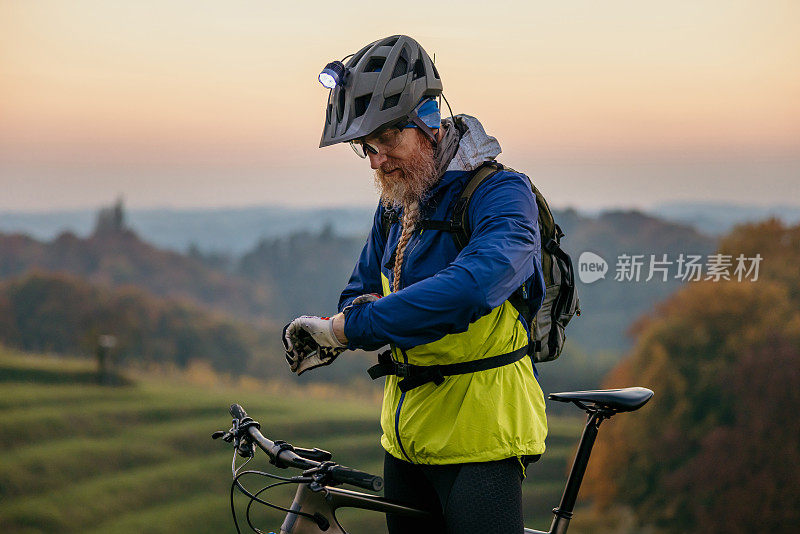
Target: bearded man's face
{"type": "Point", "coordinates": [403, 176]}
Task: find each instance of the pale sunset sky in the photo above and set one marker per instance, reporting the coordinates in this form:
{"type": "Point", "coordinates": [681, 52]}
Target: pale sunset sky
{"type": "Point", "coordinates": [197, 103]}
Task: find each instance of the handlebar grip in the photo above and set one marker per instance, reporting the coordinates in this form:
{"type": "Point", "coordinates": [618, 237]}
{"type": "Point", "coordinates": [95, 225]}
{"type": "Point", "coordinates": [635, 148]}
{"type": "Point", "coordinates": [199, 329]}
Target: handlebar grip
{"type": "Point", "coordinates": [361, 479]}
{"type": "Point", "coordinates": [237, 412]}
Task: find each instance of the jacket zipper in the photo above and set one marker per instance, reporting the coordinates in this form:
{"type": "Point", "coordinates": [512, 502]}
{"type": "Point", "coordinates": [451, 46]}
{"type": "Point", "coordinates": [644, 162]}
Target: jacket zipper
{"type": "Point", "coordinates": [405, 360]}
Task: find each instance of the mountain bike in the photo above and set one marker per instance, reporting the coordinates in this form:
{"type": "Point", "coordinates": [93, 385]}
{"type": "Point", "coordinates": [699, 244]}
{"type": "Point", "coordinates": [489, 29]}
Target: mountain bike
{"type": "Point", "coordinates": [313, 509]}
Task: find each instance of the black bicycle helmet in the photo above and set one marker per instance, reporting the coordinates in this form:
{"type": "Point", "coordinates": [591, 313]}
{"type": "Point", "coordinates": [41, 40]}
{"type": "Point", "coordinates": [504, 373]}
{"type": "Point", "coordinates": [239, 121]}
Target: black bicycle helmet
{"type": "Point", "coordinates": [382, 85]}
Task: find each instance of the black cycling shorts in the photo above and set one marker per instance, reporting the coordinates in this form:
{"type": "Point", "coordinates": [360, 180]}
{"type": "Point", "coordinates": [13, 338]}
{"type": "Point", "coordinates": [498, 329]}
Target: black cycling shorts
{"type": "Point", "coordinates": [464, 498]}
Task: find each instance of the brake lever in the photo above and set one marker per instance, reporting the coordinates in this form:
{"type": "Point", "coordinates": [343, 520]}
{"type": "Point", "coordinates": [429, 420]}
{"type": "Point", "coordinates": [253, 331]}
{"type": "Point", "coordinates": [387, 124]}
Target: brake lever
{"type": "Point", "coordinates": [320, 475]}
{"type": "Point", "coordinates": [226, 436]}
{"type": "Point", "coordinates": [244, 447]}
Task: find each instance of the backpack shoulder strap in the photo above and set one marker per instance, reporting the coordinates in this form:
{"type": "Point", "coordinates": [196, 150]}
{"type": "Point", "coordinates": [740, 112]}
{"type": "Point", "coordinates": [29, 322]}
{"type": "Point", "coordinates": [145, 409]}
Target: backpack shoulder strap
{"type": "Point", "coordinates": [460, 220]}
{"type": "Point", "coordinates": [458, 224]}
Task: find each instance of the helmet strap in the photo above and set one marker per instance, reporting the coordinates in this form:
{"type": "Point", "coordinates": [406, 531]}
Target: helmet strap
{"type": "Point", "coordinates": [422, 126]}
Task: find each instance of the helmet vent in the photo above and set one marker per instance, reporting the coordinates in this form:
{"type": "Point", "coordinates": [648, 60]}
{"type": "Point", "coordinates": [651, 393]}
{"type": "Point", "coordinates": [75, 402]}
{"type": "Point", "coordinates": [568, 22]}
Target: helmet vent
{"type": "Point", "coordinates": [361, 104]}
{"type": "Point", "coordinates": [356, 58]}
{"type": "Point", "coordinates": [419, 69]}
{"type": "Point", "coordinates": [401, 67]}
{"type": "Point", "coordinates": [340, 105]}
{"type": "Point", "coordinates": [391, 42]}
{"type": "Point", "coordinates": [375, 64]}
{"type": "Point", "coordinates": [435, 72]}
{"type": "Point", "coordinates": [328, 114]}
{"type": "Point", "coordinates": [391, 101]}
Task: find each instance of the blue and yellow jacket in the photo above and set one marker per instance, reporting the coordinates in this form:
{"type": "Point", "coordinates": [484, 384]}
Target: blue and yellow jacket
{"type": "Point", "coordinates": [452, 306]}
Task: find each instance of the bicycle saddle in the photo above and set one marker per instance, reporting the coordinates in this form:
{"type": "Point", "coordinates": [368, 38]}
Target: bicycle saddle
{"type": "Point", "coordinates": [616, 400]}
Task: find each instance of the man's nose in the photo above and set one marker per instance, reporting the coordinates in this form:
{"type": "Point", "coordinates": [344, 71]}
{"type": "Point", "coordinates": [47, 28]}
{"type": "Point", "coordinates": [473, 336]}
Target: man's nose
{"type": "Point", "coordinates": [376, 160]}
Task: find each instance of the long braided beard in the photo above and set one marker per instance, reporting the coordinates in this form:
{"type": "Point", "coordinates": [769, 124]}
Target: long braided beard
{"type": "Point", "coordinates": [412, 179]}
{"type": "Point", "coordinates": [410, 216]}
{"type": "Point", "coordinates": [406, 189]}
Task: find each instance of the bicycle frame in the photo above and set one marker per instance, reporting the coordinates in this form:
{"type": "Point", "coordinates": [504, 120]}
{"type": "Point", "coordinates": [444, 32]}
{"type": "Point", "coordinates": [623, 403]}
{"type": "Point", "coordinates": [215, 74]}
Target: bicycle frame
{"type": "Point", "coordinates": [325, 500]}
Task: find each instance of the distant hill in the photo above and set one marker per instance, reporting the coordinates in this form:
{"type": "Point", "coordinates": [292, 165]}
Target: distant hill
{"type": "Point", "coordinates": [714, 218]}
{"type": "Point", "coordinates": [120, 258]}
{"type": "Point", "coordinates": [64, 314]}
{"type": "Point", "coordinates": [609, 306]}
{"type": "Point", "coordinates": [305, 271]}
{"type": "Point", "coordinates": [229, 230]}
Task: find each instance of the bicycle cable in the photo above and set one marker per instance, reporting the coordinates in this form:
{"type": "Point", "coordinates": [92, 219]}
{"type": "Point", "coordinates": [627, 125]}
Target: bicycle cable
{"type": "Point", "coordinates": [237, 472]}
{"type": "Point", "coordinates": [250, 504]}
{"type": "Point", "coordinates": [284, 480]}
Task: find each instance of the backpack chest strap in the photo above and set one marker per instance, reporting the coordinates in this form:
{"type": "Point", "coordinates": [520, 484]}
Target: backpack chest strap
{"type": "Point", "coordinates": [414, 376]}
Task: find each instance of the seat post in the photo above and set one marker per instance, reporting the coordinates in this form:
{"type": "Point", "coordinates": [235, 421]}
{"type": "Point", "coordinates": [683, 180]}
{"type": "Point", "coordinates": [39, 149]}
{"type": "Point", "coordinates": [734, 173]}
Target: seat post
{"type": "Point", "coordinates": [564, 511]}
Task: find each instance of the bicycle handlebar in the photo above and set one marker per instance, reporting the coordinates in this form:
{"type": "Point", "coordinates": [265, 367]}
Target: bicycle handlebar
{"type": "Point", "coordinates": [283, 454]}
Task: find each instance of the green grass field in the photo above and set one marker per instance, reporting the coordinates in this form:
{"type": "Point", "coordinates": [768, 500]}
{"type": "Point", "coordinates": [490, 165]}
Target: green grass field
{"type": "Point", "coordinates": [77, 457]}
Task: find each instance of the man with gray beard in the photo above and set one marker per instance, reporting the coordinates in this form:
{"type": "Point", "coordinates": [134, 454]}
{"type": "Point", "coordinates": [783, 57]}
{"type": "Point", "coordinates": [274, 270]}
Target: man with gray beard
{"type": "Point", "coordinates": [463, 413]}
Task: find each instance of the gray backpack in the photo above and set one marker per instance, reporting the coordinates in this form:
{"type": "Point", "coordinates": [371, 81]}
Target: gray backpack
{"type": "Point", "coordinates": [561, 301]}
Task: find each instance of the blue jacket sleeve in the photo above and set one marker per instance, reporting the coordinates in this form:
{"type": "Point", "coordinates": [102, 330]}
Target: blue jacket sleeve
{"type": "Point", "coordinates": [503, 252]}
{"type": "Point", "coordinates": [366, 277]}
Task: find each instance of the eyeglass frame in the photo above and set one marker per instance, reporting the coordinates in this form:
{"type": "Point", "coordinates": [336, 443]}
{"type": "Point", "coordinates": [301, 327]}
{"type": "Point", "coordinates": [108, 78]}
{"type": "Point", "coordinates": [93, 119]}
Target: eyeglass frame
{"type": "Point", "coordinates": [411, 119]}
{"type": "Point", "coordinates": [362, 147]}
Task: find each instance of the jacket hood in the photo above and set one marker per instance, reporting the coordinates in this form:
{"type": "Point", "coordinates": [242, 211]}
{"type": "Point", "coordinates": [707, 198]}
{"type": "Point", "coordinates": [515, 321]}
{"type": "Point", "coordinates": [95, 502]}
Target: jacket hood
{"type": "Point", "coordinates": [475, 146]}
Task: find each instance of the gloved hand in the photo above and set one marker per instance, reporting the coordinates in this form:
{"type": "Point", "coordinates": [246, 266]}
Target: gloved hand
{"type": "Point", "coordinates": [366, 298]}
{"type": "Point", "coordinates": [310, 343]}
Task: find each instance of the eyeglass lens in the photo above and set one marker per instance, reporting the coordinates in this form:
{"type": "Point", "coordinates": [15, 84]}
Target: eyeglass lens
{"type": "Point", "coordinates": [382, 143]}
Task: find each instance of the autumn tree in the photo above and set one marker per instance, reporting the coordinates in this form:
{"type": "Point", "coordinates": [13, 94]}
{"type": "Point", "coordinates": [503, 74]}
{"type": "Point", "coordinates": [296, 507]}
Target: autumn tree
{"type": "Point", "coordinates": [716, 450]}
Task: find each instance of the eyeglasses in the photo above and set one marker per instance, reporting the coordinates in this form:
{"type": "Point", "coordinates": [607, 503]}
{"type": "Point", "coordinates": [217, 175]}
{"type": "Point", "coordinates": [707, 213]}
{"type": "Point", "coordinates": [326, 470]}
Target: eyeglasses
{"type": "Point", "coordinates": [381, 143]}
